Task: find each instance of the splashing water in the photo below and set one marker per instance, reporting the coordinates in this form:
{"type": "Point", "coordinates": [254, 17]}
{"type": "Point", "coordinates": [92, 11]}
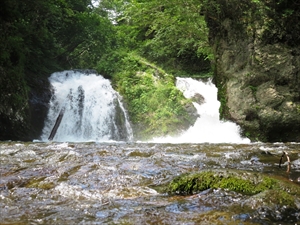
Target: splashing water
{"type": "Point", "coordinates": [125, 183]}
{"type": "Point", "coordinates": [208, 127]}
{"type": "Point", "coordinates": [88, 107]}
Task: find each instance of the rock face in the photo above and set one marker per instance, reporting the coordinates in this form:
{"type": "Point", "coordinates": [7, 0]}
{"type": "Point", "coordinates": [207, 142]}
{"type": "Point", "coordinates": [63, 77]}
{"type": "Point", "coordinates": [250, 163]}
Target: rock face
{"type": "Point", "coordinates": [257, 69]}
{"type": "Point", "coordinates": [23, 106]}
{"type": "Point", "coordinates": [38, 108]}
{"type": "Point", "coordinates": [198, 98]}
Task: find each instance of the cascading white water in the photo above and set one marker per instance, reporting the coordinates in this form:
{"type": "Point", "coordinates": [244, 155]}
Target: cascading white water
{"type": "Point", "coordinates": [90, 109]}
{"type": "Point", "coordinates": [208, 127]}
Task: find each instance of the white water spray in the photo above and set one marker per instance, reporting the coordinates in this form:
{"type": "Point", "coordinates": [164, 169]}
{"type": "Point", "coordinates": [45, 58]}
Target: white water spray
{"type": "Point", "coordinates": [91, 110]}
{"type": "Point", "coordinates": [208, 127]}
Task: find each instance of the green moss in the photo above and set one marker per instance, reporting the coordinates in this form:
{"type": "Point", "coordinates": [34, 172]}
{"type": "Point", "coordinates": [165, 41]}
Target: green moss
{"type": "Point", "coordinates": [156, 107]}
{"type": "Point", "coordinates": [245, 183]}
{"type": "Point", "coordinates": [253, 89]}
{"type": "Point", "coordinates": [222, 93]}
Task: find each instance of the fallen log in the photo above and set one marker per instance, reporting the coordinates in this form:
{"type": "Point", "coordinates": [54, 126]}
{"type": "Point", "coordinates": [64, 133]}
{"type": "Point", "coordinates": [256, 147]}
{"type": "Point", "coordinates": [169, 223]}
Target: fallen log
{"type": "Point", "coordinates": [57, 123]}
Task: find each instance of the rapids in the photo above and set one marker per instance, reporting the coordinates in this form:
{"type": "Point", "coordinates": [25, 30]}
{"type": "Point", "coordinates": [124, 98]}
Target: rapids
{"type": "Point", "coordinates": [121, 183]}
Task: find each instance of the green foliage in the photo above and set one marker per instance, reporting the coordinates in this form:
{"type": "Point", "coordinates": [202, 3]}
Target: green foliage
{"type": "Point", "coordinates": [97, 37]}
{"type": "Point", "coordinates": [49, 35]}
{"type": "Point", "coordinates": [110, 63]}
{"type": "Point", "coordinates": [173, 34]}
{"type": "Point", "coordinates": [156, 106]}
{"type": "Point", "coordinates": [277, 21]}
{"type": "Point", "coordinates": [38, 38]}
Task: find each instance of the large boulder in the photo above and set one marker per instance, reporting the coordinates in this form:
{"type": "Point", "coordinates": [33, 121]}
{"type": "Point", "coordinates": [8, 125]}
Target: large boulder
{"type": "Point", "coordinates": [257, 68]}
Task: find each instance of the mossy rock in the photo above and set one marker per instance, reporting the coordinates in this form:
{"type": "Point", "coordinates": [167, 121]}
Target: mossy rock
{"type": "Point", "coordinates": [239, 181]}
{"type": "Point", "coordinates": [155, 105]}
{"type": "Point", "coordinates": [264, 197]}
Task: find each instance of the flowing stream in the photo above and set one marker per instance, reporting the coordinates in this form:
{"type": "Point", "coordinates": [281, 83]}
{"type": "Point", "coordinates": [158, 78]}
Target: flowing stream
{"type": "Point", "coordinates": [119, 183]}
{"type": "Point", "coordinates": [96, 175]}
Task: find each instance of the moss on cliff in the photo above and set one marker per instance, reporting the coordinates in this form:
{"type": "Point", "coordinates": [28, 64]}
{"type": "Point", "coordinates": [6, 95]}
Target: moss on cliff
{"type": "Point", "coordinates": [222, 97]}
{"type": "Point", "coordinates": [156, 107]}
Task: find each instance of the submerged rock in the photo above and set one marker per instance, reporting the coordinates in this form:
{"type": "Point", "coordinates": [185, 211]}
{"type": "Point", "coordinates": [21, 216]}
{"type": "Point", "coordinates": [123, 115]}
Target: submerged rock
{"type": "Point", "coordinates": [198, 98]}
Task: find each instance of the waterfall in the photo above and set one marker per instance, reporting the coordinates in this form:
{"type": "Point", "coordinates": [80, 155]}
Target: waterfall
{"type": "Point", "coordinates": [208, 127]}
{"type": "Point", "coordinates": [84, 107]}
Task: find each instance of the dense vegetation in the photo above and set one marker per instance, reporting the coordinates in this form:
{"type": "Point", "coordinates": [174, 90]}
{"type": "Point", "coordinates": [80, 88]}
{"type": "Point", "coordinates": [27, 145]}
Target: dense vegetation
{"type": "Point", "coordinates": [156, 106]}
{"type": "Point", "coordinates": [172, 34]}
{"type": "Point", "coordinates": [157, 40]}
{"type": "Point", "coordinates": [40, 37]}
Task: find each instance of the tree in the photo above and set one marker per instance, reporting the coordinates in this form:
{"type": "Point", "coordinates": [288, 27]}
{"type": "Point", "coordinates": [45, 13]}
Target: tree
{"type": "Point", "coordinates": [171, 31]}
{"type": "Point", "coordinates": [40, 37]}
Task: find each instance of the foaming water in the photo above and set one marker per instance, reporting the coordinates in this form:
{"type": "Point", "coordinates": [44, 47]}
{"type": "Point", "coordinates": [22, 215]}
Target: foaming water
{"type": "Point", "coordinates": [125, 183]}
{"type": "Point", "coordinates": [85, 107]}
{"type": "Point", "coordinates": [208, 127]}
{"type": "Point", "coordinates": [88, 107]}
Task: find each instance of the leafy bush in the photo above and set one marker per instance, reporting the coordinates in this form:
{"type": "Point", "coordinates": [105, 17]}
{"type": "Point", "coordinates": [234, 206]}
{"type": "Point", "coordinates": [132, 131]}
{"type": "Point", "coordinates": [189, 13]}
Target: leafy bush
{"type": "Point", "coordinates": [156, 107]}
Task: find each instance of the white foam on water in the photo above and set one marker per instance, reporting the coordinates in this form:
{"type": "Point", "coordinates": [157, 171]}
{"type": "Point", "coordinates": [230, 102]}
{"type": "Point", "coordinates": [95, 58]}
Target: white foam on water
{"type": "Point", "coordinates": [88, 104]}
{"type": "Point", "coordinates": [208, 127]}
{"type": "Point", "coordinates": [77, 192]}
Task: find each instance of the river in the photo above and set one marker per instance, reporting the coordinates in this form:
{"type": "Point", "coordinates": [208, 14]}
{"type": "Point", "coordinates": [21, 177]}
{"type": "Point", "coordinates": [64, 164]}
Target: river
{"type": "Point", "coordinates": [94, 173]}
{"type": "Point", "coordinates": [118, 182]}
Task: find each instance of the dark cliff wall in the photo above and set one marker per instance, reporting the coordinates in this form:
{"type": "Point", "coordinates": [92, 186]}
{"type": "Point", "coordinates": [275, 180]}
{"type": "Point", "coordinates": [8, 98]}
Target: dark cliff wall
{"type": "Point", "coordinates": [23, 107]}
{"type": "Point", "coordinates": [39, 99]}
{"type": "Point", "coordinates": [257, 65]}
